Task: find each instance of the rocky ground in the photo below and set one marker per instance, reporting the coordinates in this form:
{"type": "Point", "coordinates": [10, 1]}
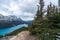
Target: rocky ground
{"type": "Point", "coordinates": [24, 35]}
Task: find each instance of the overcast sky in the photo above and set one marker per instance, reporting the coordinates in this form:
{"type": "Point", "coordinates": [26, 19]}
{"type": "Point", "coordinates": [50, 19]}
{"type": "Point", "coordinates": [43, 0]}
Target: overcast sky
{"type": "Point", "coordinates": [26, 9]}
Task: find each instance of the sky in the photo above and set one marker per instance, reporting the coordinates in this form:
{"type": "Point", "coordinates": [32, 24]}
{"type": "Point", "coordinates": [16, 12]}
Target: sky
{"type": "Point", "coordinates": [25, 9]}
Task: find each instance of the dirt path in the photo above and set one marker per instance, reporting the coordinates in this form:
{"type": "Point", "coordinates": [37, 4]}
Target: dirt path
{"type": "Point", "coordinates": [24, 35]}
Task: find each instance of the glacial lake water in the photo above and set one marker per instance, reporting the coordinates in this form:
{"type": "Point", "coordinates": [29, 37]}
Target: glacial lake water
{"type": "Point", "coordinates": [9, 30]}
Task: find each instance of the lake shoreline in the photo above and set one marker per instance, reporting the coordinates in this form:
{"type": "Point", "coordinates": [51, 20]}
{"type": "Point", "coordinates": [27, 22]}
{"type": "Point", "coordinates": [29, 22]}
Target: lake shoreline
{"type": "Point", "coordinates": [10, 26]}
{"type": "Point", "coordinates": [15, 32]}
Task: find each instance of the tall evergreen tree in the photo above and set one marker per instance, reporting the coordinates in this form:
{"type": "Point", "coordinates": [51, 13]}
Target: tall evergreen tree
{"type": "Point", "coordinates": [46, 27]}
{"type": "Point", "coordinates": [41, 4]}
{"type": "Point", "coordinates": [37, 24]}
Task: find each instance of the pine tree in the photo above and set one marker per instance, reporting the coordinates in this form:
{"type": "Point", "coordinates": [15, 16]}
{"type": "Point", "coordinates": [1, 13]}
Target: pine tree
{"type": "Point", "coordinates": [41, 4]}
{"type": "Point", "coordinates": [37, 24]}
{"type": "Point", "coordinates": [46, 28]}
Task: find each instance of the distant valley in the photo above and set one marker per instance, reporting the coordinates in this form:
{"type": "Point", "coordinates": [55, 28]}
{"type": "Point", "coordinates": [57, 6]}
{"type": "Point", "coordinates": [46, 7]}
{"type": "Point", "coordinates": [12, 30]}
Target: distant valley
{"type": "Point", "coordinates": [11, 20]}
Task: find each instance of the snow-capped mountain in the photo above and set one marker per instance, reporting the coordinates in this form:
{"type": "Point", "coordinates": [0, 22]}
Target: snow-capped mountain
{"type": "Point", "coordinates": [8, 21]}
{"type": "Point", "coordinates": [11, 20]}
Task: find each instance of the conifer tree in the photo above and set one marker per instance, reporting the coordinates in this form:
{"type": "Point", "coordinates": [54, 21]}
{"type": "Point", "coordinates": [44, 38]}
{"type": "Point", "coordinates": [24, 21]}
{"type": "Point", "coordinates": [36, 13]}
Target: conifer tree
{"type": "Point", "coordinates": [46, 27]}
{"type": "Point", "coordinates": [48, 10]}
{"type": "Point", "coordinates": [37, 24]}
{"type": "Point", "coordinates": [41, 4]}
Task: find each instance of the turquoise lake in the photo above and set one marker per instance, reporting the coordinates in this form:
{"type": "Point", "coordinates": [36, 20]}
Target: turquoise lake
{"type": "Point", "coordinates": [9, 30]}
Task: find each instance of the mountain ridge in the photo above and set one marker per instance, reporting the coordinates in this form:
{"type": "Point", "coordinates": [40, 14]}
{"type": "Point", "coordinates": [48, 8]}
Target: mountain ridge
{"type": "Point", "coordinates": [12, 20]}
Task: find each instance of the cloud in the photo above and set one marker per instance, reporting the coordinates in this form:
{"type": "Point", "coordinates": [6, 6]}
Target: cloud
{"type": "Point", "coordinates": [55, 2]}
{"type": "Point", "coordinates": [4, 13]}
{"type": "Point", "coordinates": [26, 9]}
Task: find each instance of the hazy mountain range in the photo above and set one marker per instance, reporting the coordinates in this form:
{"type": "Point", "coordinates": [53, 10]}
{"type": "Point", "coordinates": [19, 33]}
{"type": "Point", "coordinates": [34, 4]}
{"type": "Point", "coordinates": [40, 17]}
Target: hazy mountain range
{"type": "Point", "coordinates": [11, 20]}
